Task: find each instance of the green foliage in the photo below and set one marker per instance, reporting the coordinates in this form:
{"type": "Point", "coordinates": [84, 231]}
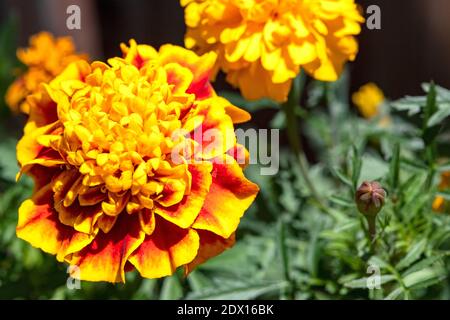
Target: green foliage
{"type": "Point", "coordinates": [314, 253]}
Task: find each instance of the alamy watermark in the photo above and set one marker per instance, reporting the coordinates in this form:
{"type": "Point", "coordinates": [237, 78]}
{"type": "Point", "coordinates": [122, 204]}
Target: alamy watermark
{"type": "Point", "coordinates": [373, 281]}
{"type": "Point", "coordinates": [73, 21]}
{"type": "Point", "coordinates": [195, 147]}
{"type": "Point", "coordinates": [373, 21]}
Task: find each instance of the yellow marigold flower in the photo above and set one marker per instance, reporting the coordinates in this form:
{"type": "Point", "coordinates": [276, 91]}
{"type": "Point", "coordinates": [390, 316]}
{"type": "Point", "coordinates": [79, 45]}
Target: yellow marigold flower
{"type": "Point", "coordinates": [368, 99]}
{"type": "Point", "coordinates": [45, 59]}
{"type": "Point", "coordinates": [439, 203]}
{"type": "Point", "coordinates": [262, 44]}
{"type": "Point", "coordinates": [110, 193]}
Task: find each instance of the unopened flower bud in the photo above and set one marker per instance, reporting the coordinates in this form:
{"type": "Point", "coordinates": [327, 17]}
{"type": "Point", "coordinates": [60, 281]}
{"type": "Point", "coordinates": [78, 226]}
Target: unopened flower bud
{"type": "Point", "coordinates": [370, 198]}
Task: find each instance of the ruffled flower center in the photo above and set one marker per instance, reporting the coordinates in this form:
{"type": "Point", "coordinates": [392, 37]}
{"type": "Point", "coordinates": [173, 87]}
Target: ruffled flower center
{"type": "Point", "coordinates": [116, 137]}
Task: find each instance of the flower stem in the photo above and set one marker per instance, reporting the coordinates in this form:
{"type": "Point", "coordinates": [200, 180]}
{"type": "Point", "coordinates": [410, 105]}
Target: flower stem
{"type": "Point", "coordinates": [294, 137]}
{"type": "Point", "coordinates": [372, 232]}
{"type": "Point", "coordinates": [289, 292]}
{"type": "Point", "coordinates": [371, 221]}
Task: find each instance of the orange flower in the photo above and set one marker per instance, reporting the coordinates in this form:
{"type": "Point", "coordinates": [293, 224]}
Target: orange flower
{"type": "Point", "coordinates": [45, 59]}
{"type": "Point", "coordinates": [369, 99]}
{"type": "Point", "coordinates": [262, 44]}
{"type": "Point", "coordinates": [113, 192]}
{"type": "Point", "coordinates": [439, 203]}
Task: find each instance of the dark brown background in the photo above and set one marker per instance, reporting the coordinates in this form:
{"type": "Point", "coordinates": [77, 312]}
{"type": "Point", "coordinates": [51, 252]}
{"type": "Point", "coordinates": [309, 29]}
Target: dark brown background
{"type": "Point", "coordinates": [412, 47]}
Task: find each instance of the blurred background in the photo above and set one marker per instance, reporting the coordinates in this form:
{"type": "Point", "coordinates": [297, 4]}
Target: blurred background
{"type": "Point", "coordinates": [413, 44]}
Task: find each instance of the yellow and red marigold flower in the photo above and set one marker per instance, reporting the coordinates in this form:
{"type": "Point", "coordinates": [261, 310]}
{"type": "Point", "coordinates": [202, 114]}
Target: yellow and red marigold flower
{"type": "Point", "coordinates": [45, 59]}
{"type": "Point", "coordinates": [109, 196]}
{"type": "Point", "coordinates": [262, 44]}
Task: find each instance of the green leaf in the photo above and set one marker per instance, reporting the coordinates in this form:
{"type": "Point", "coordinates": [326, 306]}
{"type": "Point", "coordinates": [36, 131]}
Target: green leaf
{"type": "Point", "coordinates": [440, 115]}
{"type": "Point", "coordinates": [443, 93]}
{"type": "Point", "coordinates": [431, 106]}
{"type": "Point", "coordinates": [424, 277]}
{"type": "Point", "coordinates": [377, 261]}
{"type": "Point", "coordinates": [278, 121]}
{"type": "Point", "coordinates": [444, 194]}
{"type": "Point", "coordinates": [198, 281]}
{"type": "Point", "coordinates": [356, 167]}
{"type": "Point", "coordinates": [171, 289]}
{"type": "Point", "coordinates": [362, 282]}
{"type": "Point", "coordinates": [413, 105]}
{"type": "Point", "coordinates": [341, 176]}
{"type": "Point", "coordinates": [443, 167]}
{"type": "Point", "coordinates": [416, 163]}
{"type": "Point", "coordinates": [313, 254]}
{"type": "Point", "coordinates": [237, 291]}
{"type": "Point", "coordinates": [373, 168]}
{"type": "Point", "coordinates": [284, 251]}
{"type": "Point", "coordinates": [413, 254]}
{"type": "Point", "coordinates": [342, 201]}
{"type": "Point", "coordinates": [146, 290]}
{"type": "Point", "coordinates": [230, 261]}
{"type": "Point", "coordinates": [423, 264]}
{"type": "Point", "coordinates": [394, 171]}
{"type": "Point", "coordinates": [394, 294]}
{"type": "Point", "coordinates": [430, 132]}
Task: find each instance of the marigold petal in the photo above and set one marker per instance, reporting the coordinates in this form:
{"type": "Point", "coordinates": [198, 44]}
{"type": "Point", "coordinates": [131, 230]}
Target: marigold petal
{"type": "Point", "coordinates": [281, 36]}
{"type": "Point", "coordinates": [147, 221]}
{"type": "Point", "coordinates": [200, 66]}
{"type": "Point", "coordinates": [168, 248]}
{"type": "Point", "coordinates": [39, 225]}
{"type": "Point", "coordinates": [215, 134]}
{"type": "Point", "coordinates": [179, 76]}
{"type": "Point", "coordinates": [105, 258]}
{"type": "Point", "coordinates": [228, 198]}
{"type": "Point", "coordinates": [184, 213]}
{"type": "Point", "coordinates": [211, 245]}
{"type": "Point", "coordinates": [91, 196]}
{"type": "Point", "coordinates": [240, 154]}
{"type": "Point", "coordinates": [28, 149]}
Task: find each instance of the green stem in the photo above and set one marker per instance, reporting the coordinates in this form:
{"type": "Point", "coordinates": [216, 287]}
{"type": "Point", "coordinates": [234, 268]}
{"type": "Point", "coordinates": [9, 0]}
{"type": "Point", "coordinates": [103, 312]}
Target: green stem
{"type": "Point", "coordinates": [372, 232]}
{"type": "Point", "coordinates": [372, 228]}
{"type": "Point", "coordinates": [294, 137]}
{"type": "Point", "coordinates": [289, 292]}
